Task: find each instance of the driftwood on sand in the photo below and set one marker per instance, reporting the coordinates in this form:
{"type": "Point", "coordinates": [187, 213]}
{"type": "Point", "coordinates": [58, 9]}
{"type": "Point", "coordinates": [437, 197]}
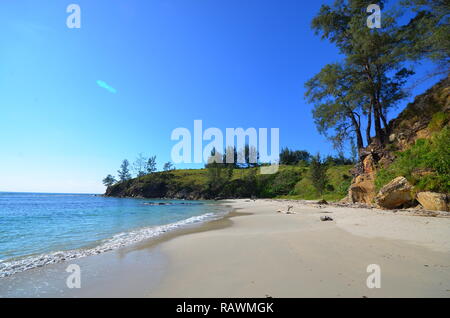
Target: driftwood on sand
{"type": "Point", "coordinates": [288, 211]}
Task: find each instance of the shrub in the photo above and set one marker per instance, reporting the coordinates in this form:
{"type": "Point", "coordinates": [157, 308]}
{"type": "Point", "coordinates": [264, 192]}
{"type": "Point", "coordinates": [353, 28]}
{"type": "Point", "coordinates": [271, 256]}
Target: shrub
{"type": "Point", "coordinates": [285, 181]}
{"type": "Point", "coordinates": [432, 155]}
{"type": "Point", "coordinates": [439, 120]}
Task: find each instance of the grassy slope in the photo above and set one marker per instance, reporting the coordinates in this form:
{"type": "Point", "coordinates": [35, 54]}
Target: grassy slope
{"type": "Point", "coordinates": [288, 182]}
{"type": "Point", "coordinates": [426, 163]}
{"type": "Point", "coordinates": [339, 179]}
{"type": "Point", "coordinates": [294, 180]}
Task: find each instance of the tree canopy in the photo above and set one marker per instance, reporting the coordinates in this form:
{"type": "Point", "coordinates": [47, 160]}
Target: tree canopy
{"type": "Point", "coordinates": [151, 165]}
{"type": "Point", "coordinates": [293, 157]}
{"type": "Point", "coordinates": [367, 82]}
{"type": "Point", "coordinates": [427, 33]}
{"type": "Point", "coordinates": [109, 180]}
{"type": "Point", "coordinates": [124, 171]}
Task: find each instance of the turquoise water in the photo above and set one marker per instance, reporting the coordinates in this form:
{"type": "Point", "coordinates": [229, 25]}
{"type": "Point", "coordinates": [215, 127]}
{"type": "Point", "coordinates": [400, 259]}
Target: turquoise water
{"type": "Point", "coordinates": [38, 229]}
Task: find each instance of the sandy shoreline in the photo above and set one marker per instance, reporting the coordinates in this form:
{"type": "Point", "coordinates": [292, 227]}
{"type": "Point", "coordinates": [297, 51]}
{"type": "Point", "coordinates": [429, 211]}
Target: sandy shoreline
{"type": "Point", "coordinates": [256, 252]}
{"type": "Point", "coordinates": [266, 253]}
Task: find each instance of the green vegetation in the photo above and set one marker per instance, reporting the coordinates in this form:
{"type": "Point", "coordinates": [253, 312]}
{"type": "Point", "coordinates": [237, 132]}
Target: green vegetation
{"type": "Point", "coordinates": [109, 180]}
{"type": "Point", "coordinates": [354, 95]}
{"type": "Point", "coordinates": [318, 174]}
{"type": "Point", "coordinates": [438, 121]}
{"type": "Point", "coordinates": [291, 157]}
{"type": "Point", "coordinates": [124, 172]}
{"type": "Point", "coordinates": [336, 188]}
{"type": "Point", "coordinates": [426, 164]}
{"type": "Point", "coordinates": [427, 32]}
{"type": "Point", "coordinates": [369, 79]}
{"type": "Point", "coordinates": [168, 166]}
{"type": "Point", "coordinates": [351, 95]}
{"type": "Point", "coordinates": [221, 181]}
{"type": "Point", "coordinates": [350, 98]}
{"type": "Point", "coordinates": [151, 164]}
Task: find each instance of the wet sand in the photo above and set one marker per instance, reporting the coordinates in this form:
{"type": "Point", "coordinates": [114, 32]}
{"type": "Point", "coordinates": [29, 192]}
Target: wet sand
{"type": "Point", "coordinates": [131, 271]}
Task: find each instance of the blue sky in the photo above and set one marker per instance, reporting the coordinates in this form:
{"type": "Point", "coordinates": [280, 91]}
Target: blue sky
{"type": "Point", "coordinates": [75, 102]}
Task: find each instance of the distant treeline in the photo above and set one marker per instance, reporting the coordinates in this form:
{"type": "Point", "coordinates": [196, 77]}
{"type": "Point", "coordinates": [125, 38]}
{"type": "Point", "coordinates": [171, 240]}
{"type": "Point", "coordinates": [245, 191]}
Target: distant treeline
{"type": "Point", "coordinates": [300, 175]}
{"type": "Point", "coordinates": [143, 166]}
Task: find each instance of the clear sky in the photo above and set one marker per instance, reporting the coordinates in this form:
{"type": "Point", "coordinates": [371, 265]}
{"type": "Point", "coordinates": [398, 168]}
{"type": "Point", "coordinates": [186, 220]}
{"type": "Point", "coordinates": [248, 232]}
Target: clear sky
{"type": "Point", "coordinates": [75, 102]}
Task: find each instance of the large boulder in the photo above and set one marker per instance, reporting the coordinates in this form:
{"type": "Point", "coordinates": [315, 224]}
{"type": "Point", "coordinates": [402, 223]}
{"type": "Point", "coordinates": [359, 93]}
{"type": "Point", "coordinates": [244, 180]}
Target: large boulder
{"type": "Point", "coordinates": [395, 194]}
{"type": "Point", "coordinates": [434, 201]}
{"type": "Point", "coordinates": [362, 189]}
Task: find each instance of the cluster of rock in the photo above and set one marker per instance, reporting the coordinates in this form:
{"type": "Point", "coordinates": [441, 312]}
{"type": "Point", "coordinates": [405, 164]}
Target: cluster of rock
{"type": "Point", "coordinates": [170, 203]}
{"type": "Point", "coordinates": [362, 189]}
{"type": "Point", "coordinates": [410, 125]}
{"type": "Point", "coordinates": [399, 193]}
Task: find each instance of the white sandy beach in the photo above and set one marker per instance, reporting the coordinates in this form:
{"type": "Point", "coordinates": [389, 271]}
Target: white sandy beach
{"type": "Point", "coordinates": [257, 252]}
{"type": "Point", "coordinates": [296, 255]}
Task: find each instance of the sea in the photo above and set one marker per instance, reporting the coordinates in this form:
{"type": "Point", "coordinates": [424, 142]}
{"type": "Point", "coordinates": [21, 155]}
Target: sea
{"type": "Point", "coordinates": [37, 229]}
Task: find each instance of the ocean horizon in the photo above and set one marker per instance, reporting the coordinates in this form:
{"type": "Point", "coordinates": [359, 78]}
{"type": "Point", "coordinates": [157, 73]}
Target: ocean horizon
{"type": "Point", "coordinates": [37, 229]}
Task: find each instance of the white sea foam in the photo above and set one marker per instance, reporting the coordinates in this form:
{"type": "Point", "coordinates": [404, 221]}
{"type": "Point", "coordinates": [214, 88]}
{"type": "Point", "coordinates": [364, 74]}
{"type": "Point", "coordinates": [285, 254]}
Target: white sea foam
{"type": "Point", "coordinates": [8, 268]}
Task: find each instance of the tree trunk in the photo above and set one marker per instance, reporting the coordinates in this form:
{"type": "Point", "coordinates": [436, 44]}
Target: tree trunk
{"type": "Point", "coordinates": [369, 125]}
{"type": "Point", "coordinates": [357, 129]}
{"type": "Point", "coordinates": [359, 140]}
{"type": "Point", "coordinates": [377, 121]}
{"type": "Point", "coordinates": [385, 123]}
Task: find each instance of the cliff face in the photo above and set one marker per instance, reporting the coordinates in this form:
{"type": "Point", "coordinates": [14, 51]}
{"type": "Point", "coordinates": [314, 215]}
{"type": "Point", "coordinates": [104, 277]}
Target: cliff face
{"type": "Point", "coordinates": [414, 122]}
{"type": "Point", "coordinates": [427, 115]}
{"type": "Point", "coordinates": [157, 185]}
